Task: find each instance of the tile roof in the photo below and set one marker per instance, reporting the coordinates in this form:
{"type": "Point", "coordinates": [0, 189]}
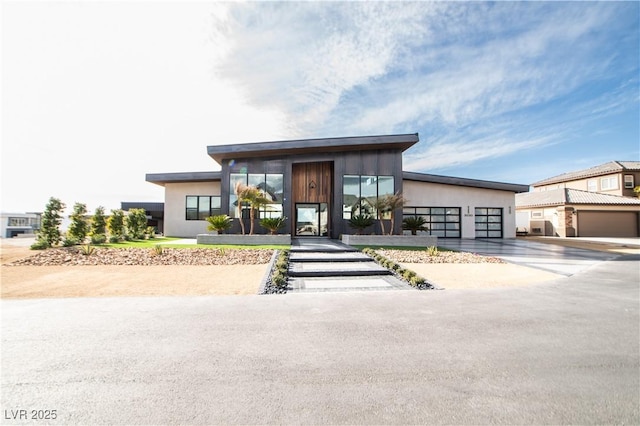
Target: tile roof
{"type": "Point", "coordinates": [560, 196]}
{"type": "Point", "coordinates": [602, 169]}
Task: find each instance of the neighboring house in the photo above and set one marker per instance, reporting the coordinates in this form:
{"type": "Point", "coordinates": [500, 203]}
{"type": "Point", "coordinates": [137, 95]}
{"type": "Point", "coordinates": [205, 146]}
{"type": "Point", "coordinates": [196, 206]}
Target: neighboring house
{"type": "Point", "coordinates": [319, 184]}
{"type": "Point", "coordinates": [14, 224]}
{"type": "Point", "coordinates": [595, 202]}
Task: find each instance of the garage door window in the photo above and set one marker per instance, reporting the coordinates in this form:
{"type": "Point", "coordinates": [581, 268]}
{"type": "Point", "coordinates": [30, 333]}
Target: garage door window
{"type": "Point", "coordinates": [488, 222]}
{"type": "Point", "coordinates": [441, 221]}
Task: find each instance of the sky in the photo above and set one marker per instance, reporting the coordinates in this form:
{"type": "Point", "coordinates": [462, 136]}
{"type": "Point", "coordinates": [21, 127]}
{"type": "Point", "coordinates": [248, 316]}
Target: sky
{"type": "Point", "coordinates": [95, 95]}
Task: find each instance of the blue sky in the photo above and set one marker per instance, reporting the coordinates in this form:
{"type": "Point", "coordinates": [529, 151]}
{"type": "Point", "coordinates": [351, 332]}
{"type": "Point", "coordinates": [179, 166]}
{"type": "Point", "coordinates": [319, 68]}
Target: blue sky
{"type": "Point", "coordinates": [507, 91]}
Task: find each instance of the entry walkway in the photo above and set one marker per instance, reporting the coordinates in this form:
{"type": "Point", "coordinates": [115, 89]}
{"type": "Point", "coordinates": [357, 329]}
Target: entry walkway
{"type": "Point", "coordinates": [321, 264]}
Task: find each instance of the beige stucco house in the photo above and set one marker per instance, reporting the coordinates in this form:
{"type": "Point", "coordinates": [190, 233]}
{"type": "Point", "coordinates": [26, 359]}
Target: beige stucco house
{"type": "Point", "coordinates": [594, 202]}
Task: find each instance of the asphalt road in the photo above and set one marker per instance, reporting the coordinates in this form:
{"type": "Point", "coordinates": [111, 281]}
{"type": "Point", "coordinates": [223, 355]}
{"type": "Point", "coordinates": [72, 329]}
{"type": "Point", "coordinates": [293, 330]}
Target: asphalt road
{"type": "Point", "coordinates": [565, 352]}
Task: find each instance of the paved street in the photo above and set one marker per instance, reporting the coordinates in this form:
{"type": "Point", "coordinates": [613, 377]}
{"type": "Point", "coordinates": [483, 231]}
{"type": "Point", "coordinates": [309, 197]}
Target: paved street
{"type": "Point", "coordinates": [564, 352]}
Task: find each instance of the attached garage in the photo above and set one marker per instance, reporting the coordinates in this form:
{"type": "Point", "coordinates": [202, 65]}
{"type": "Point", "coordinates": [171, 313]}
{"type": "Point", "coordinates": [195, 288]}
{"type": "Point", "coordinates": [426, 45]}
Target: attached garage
{"type": "Point", "coordinates": [607, 224]}
{"type": "Point", "coordinates": [569, 212]}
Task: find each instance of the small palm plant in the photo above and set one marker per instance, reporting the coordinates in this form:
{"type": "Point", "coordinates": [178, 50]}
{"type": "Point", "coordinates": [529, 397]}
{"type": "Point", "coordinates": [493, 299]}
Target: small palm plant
{"type": "Point", "coordinates": [414, 224]}
{"type": "Point", "coordinates": [273, 224]}
{"type": "Point", "coordinates": [219, 223]}
{"type": "Point", "coordinates": [360, 222]}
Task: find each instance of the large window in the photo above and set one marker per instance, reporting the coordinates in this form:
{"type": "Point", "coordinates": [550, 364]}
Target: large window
{"type": "Point", "coordinates": [440, 221]}
{"type": "Point", "coordinates": [360, 194]}
{"type": "Point", "coordinates": [200, 207]}
{"type": "Point", "coordinates": [608, 183]}
{"type": "Point", "coordinates": [272, 187]}
{"type": "Point", "coordinates": [628, 181]}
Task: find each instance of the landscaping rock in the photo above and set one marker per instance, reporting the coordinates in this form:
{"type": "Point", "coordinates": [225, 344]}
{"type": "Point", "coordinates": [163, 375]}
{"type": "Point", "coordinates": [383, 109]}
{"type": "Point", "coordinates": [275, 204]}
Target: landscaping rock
{"type": "Point", "coordinates": [72, 256]}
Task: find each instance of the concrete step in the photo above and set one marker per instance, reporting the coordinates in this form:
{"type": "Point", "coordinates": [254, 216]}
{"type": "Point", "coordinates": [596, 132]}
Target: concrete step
{"type": "Point", "coordinates": [374, 283]}
{"type": "Point", "coordinates": [336, 269]}
{"type": "Point", "coordinates": [328, 257]}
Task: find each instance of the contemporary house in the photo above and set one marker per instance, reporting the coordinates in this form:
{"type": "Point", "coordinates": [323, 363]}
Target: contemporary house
{"type": "Point", "coordinates": [319, 184]}
{"type": "Point", "coordinates": [19, 224]}
{"type": "Point", "coordinates": [594, 202]}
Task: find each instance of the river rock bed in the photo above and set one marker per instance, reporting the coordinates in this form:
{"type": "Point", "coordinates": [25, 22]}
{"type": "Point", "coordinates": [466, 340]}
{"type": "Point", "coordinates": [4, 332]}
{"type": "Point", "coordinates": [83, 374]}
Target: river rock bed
{"type": "Point", "coordinates": [423, 256]}
{"type": "Point", "coordinates": [73, 256]}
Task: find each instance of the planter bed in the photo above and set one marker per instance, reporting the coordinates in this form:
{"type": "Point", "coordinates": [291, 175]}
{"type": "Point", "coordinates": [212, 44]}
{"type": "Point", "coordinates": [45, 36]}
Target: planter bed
{"type": "Point", "coordinates": [249, 240]}
{"type": "Point", "coordinates": [391, 240]}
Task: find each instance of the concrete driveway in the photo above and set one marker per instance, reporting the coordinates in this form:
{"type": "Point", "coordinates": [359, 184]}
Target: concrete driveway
{"type": "Point", "coordinates": [548, 257]}
{"type": "Point", "coordinates": [564, 352]}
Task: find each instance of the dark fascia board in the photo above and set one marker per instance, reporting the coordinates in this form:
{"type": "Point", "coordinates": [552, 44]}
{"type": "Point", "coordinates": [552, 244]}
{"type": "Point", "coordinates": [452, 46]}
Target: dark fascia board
{"type": "Point", "coordinates": [149, 206]}
{"type": "Point", "coordinates": [164, 178]}
{"type": "Point", "coordinates": [303, 146]}
{"type": "Point", "coordinates": [473, 183]}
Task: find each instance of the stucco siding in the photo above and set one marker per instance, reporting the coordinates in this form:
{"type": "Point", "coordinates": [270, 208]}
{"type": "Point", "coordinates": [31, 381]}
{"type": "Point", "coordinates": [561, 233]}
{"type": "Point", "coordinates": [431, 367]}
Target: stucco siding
{"type": "Point", "coordinates": [423, 194]}
{"type": "Point", "coordinates": [175, 223]}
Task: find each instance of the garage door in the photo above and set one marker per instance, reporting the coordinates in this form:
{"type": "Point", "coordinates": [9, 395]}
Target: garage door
{"type": "Point", "coordinates": [488, 222]}
{"type": "Point", "coordinates": [607, 224]}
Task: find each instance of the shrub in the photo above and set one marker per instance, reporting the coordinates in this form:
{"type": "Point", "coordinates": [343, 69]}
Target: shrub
{"type": "Point", "coordinates": [114, 239]}
{"type": "Point", "coordinates": [433, 251]}
{"type": "Point", "coordinates": [150, 232]}
{"type": "Point", "coordinates": [115, 224]}
{"type": "Point", "coordinates": [219, 223]}
{"type": "Point", "coordinates": [98, 239]}
{"type": "Point", "coordinates": [158, 250]}
{"type": "Point", "coordinates": [49, 233]}
{"type": "Point", "coordinates": [136, 223]}
{"type": "Point", "coordinates": [87, 249]}
{"type": "Point", "coordinates": [98, 222]}
{"type": "Point", "coordinates": [69, 241]}
{"type": "Point", "coordinates": [273, 224]}
{"type": "Point", "coordinates": [79, 226]}
{"type": "Point", "coordinates": [39, 245]}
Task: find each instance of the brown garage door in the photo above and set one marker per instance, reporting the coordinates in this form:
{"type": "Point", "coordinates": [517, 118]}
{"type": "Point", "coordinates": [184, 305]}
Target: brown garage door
{"type": "Point", "coordinates": [607, 224]}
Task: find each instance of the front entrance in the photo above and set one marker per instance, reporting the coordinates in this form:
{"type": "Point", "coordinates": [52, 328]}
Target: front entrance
{"type": "Point", "coordinates": [312, 186]}
{"type": "Point", "coordinates": [312, 220]}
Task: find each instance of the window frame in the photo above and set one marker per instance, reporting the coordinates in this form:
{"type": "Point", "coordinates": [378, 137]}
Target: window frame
{"type": "Point", "coordinates": [350, 210]}
{"type": "Point", "coordinates": [630, 181]}
{"type": "Point", "coordinates": [608, 180]}
{"type": "Point", "coordinates": [213, 211]}
{"type": "Point", "coordinates": [443, 215]}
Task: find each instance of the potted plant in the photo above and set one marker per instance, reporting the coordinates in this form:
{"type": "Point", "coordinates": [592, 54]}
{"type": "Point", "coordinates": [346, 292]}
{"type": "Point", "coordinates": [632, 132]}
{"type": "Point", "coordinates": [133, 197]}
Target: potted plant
{"type": "Point", "coordinates": [414, 224]}
{"type": "Point", "coordinates": [219, 223]}
{"type": "Point", "coordinates": [273, 224]}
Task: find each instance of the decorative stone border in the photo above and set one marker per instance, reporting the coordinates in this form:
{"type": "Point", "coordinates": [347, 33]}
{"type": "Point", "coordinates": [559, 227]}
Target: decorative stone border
{"type": "Point", "coordinates": [391, 240]}
{"type": "Point", "coordinates": [248, 240]}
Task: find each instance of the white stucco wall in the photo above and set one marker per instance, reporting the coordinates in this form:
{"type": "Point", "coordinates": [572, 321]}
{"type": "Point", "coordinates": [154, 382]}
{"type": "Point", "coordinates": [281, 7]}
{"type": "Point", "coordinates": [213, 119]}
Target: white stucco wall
{"type": "Point", "coordinates": [423, 194]}
{"type": "Point", "coordinates": [175, 200]}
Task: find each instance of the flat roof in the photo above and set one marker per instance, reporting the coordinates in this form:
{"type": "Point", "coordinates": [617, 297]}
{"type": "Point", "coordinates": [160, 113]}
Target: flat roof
{"type": "Point", "coordinates": [303, 146]}
{"type": "Point", "coordinates": [457, 181]}
{"type": "Point", "coordinates": [164, 178]}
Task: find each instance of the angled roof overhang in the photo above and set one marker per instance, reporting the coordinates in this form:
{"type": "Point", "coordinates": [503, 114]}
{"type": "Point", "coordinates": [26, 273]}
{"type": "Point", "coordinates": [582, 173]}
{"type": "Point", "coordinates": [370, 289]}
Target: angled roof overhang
{"type": "Point", "coordinates": [473, 183]}
{"type": "Point", "coordinates": [164, 178]}
{"type": "Point", "coordinates": [304, 146]}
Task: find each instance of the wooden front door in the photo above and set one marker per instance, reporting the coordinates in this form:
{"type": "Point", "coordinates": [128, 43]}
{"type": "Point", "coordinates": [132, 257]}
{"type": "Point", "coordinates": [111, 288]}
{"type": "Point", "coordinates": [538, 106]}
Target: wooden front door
{"type": "Point", "coordinates": [312, 183]}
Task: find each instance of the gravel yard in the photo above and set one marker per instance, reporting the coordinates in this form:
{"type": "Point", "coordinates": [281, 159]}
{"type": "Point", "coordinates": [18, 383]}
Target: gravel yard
{"type": "Point", "coordinates": [74, 256]}
{"type": "Point", "coordinates": [415, 256]}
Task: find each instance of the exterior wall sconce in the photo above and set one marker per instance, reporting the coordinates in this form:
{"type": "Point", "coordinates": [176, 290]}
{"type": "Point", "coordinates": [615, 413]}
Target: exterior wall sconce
{"type": "Point", "coordinates": [312, 185]}
{"type": "Point", "coordinates": [509, 209]}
